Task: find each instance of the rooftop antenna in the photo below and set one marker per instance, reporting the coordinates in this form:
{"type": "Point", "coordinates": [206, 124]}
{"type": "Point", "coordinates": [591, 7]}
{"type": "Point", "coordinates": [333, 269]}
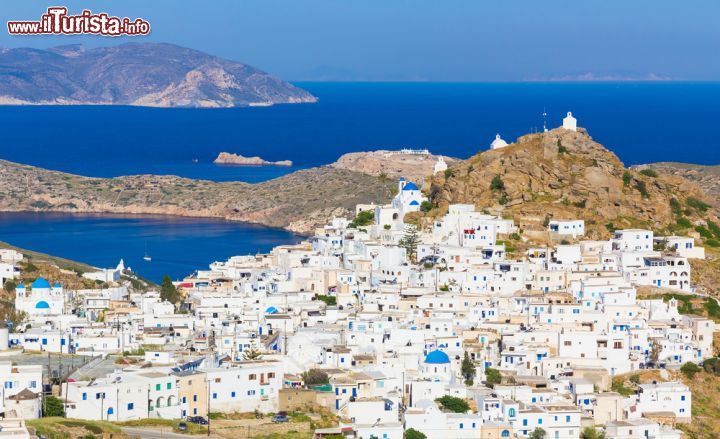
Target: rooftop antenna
{"type": "Point", "coordinates": [544, 121]}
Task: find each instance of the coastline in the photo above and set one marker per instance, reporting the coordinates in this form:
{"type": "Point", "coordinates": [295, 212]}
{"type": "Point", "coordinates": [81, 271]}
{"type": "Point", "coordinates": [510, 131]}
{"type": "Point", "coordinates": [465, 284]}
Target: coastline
{"type": "Point", "coordinates": [297, 202]}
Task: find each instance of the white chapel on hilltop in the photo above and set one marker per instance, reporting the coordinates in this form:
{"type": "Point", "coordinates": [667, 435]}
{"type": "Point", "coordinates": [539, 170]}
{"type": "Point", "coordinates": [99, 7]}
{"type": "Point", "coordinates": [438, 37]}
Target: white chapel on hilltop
{"type": "Point", "coordinates": [440, 165]}
{"type": "Point", "coordinates": [569, 122]}
{"type": "Point", "coordinates": [498, 142]}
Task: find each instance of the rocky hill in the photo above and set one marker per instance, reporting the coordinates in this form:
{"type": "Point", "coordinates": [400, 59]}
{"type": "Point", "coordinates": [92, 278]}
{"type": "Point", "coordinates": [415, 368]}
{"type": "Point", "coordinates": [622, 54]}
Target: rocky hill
{"type": "Point", "coordinates": [146, 74]}
{"type": "Point", "coordinates": [565, 174]}
{"type": "Point", "coordinates": [299, 201]}
{"type": "Point", "coordinates": [707, 177]}
{"type": "Point", "coordinates": [390, 164]}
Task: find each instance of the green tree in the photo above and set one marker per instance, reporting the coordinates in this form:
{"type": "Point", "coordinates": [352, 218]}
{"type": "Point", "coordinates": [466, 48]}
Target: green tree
{"type": "Point", "coordinates": [314, 377]}
{"type": "Point", "coordinates": [364, 218]}
{"type": "Point", "coordinates": [426, 206]}
{"type": "Point", "coordinates": [655, 351]}
{"type": "Point", "coordinates": [627, 178]}
{"type": "Point", "coordinates": [168, 291]}
{"type": "Point", "coordinates": [251, 354]}
{"type": "Point", "coordinates": [329, 300]}
{"type": "Point", "coordinates": [53, 407]}
{"type": "Point", "coordinates": [410, 241]}
{"type": "Point", "coordinates": [453, 404]}
{"type": "Point", "coordinates": [712, 365]}
{"type": "Point", "coordinates": [642, 188]}
{"type": "Point", "coordinates": [468, 370]}
{"type": "Point", "coordinates": [9, 286]}
{"type": "Point", "coordinates": [538, 433]}
{"type": "Point", "coordinates": [492, 376]}
{"type": "Point", "coordinates": [592, 433]}
{"type": "Point", "coordinates": [12, 316]}
{"type": "Point", "coordinates": [411, 433]}
{"type": "Point", "coordinates": [30, 268]}
{"type": "Point", "coordinates": [497, 184]}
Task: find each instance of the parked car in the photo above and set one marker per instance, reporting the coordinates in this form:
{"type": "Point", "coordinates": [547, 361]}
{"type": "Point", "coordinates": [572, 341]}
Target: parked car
{"type": "Point", "coordinates": [182, 426]}
{"type": "Point", "coordinates": [281, 417]}
{"type": "Point", "coordinates": [197, 420]}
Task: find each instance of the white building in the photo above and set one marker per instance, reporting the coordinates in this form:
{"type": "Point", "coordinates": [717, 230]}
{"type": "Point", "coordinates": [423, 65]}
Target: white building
{"type": "Point", "coordinates": [637, 240]}
{"type": "Point", "coordinates": [683, 246]}
{"type": "Point", "coordinates": [40, 298]}
{"type": "Point", "coordinates": [498, 142]}
{"type": "Point", "coordinates": [671, 397]}
{"type": "Point", "coordinates": [440, 166]}
{"type": "Point", "coordinates": [408, 199]}
{"type": "Point", "coordinates": [245, 387]}
{"type": "Point", "coordinates": [106, 274]}
{"type": "Point", "coordinates": [573, 228]}
{"type": "Point", "coordinates": [569, 122]}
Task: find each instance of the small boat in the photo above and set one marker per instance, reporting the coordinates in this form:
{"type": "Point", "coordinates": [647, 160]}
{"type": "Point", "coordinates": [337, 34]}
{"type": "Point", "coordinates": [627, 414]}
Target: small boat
{"type": "Point", "coordinates": [196, 161]}
{"type": "Point", "coordinates": [147, 256]}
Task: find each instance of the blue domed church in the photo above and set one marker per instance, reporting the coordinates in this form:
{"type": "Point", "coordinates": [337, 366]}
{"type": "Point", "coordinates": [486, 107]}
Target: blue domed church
{"type": "Point", "coordinates": [41, 298]}
{"type": "Point", "coordinates": [436, 366]}
{"type": "Point", "coordinates": [409, 197]}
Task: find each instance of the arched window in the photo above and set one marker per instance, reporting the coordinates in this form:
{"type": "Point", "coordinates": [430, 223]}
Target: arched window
{"type": "Point", "coordinates": [511, 412]}
{"type": "Point", "coordinates": [505, 433]}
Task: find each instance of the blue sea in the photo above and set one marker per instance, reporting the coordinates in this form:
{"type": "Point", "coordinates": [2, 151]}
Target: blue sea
{"type": "Point", "coordinates": [641, 122]}
{"type": "Point", "coordinates": [177, 245]}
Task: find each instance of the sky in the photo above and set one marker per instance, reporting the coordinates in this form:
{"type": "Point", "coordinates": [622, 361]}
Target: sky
{"type": "Point", "coordinates": [423, 40]}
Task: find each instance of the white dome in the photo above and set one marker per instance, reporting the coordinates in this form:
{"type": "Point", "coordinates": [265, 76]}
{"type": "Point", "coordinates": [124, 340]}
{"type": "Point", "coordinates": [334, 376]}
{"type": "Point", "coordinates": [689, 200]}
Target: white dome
{"type": "Point", "coordinates": [498, 142]}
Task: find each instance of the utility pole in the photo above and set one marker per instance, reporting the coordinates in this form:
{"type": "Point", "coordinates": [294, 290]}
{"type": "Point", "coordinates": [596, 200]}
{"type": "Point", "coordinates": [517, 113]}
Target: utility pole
{"type": "Point", "coordinates": [208, 403]}
{"type": "Point", "coordinates": [72, 355]}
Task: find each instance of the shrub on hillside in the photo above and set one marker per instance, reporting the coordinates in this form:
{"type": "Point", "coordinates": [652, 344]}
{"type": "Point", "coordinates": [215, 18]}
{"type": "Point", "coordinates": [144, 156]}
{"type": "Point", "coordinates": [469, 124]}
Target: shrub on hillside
{"type": "Point", "coordinates": [690, 369]}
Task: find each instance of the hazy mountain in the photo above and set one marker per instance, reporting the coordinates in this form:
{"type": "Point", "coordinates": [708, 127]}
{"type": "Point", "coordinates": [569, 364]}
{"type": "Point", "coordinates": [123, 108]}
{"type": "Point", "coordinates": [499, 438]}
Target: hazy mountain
{"type": "Point", "coordinates": [148, 74]}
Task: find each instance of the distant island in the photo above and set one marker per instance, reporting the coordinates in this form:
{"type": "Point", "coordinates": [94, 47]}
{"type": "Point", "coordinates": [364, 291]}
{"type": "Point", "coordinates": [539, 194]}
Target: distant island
{"type": "Point", "coordinates": [142, 74]}
{"type": "Point", "coordinates": [227, 158]}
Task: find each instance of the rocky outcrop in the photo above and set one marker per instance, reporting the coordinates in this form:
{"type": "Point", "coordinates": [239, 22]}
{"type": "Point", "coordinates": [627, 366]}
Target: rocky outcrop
{"type": "Point", "coordinates": [391, 164]}
{"type": "Point", "coordinates": [145, 74]}
{"type": "Point", "coordinates": [561, 174]}
{"type": "Point", "coordinates": [226, 158]}
{"type": "Point", "coordinates": [707, 177]}
{"type": "Point", "coordinates": [299, 201]}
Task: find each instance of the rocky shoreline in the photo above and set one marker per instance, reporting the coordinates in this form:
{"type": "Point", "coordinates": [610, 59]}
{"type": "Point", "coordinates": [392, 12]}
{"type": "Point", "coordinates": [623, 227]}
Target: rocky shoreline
{"type": "Point", "coordinates": [227, 158]}
{"type": "Point", "coordinates": [298, 202]}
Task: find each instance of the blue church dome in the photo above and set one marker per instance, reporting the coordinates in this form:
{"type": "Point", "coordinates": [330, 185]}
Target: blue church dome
{"type": "Point", "coordinates": [40, 283]}
{"type": "Point", "coordinates": [42, 305]}
{"type": "Point", "coordinates": [57, 285]}
{"type": "Point", "coordinates": [410, 186]}
{"type": "Point", "coordinates": [437, 357]}
{"type": "Point", "coordinates": [271, 310]}
{"type": "Point", "coordinates": [414, 203]}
